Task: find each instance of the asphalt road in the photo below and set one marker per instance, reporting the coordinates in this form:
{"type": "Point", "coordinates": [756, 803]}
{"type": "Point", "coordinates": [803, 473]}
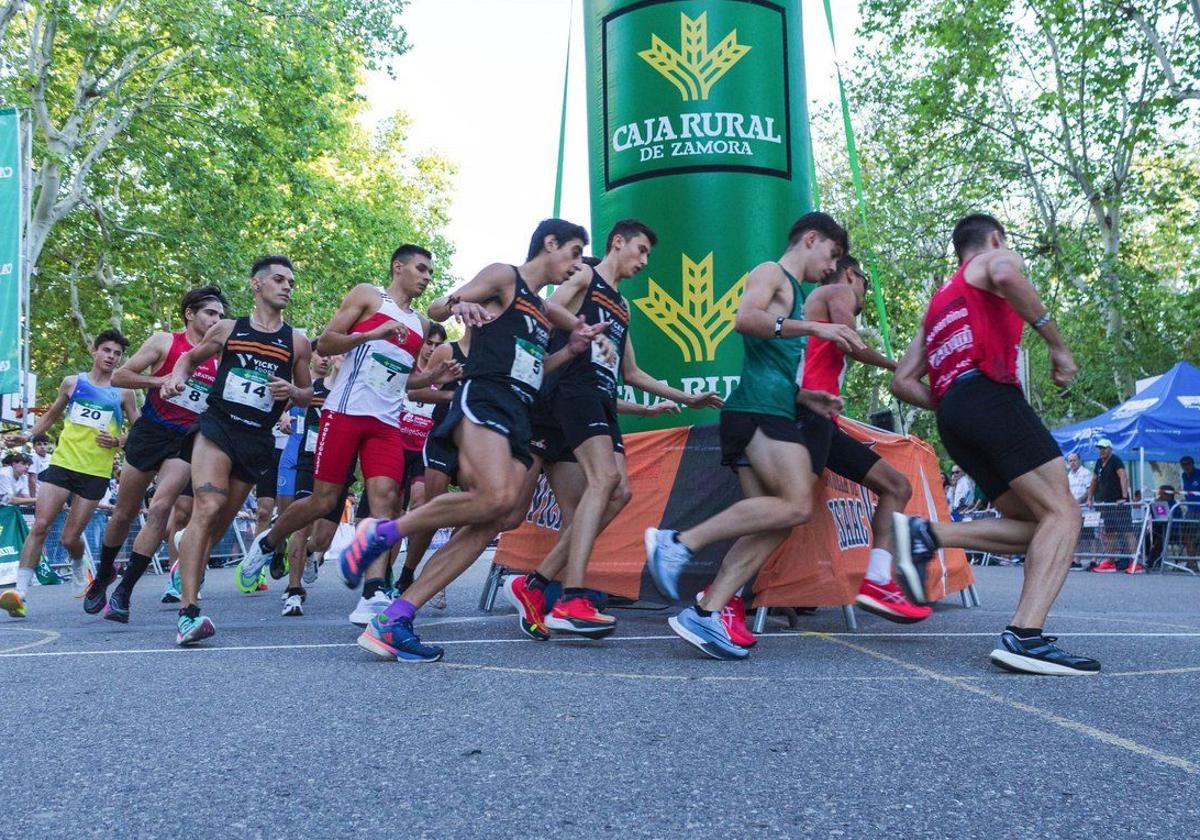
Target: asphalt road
{"type": "Point", "coordinates": [281, 727]}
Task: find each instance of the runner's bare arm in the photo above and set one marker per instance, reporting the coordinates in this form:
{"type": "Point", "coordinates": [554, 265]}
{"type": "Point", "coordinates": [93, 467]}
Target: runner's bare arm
{"type": "Point", "coordinates": [55, 411]}
{"type": "Point", "coordinates": [360, 303]}
{"type": "Point", "coordinates": [582, 336]}
{"type": "Point", "coordinates": [821, 403]}
{"type": "Point", "coordinates": [906, 382]}
{"type": "Point", "coordinates": [638, 378]}
{"type": "Point", "coordinates": [209, 346]}
{"type": "Point", "coordinates": [149, 356]}
{"type": "Point", "coordinates": [569, 295]}
{"type": "Point", "coordinates": [1006, 277]}
{"type": "Point", "coordinates": [755, 317]}
{"type": "Point", "coordinates": [634, 409]}
{"type": "Point", "coordinates": [840, 303]}
{"type": "Point", "coordinates": [484, 297]}
{"type": "Point", "coordinates": [299, 390]}
{"type": "Point", "coordinates": [129, 407]}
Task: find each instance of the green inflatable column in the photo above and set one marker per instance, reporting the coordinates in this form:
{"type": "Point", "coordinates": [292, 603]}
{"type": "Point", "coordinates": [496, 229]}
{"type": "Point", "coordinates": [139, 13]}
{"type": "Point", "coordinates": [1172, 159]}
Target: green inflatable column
{"type": "Point", "coordinates": [697, 126]}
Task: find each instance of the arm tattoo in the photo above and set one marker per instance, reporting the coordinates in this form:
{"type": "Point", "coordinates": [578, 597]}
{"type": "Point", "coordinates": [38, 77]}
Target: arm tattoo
{"type": "Point", "coordinates": [208, 487]}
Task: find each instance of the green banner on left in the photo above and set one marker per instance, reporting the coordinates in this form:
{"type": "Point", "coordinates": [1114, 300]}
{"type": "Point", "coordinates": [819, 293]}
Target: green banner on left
{"type": "Point", "coordinates": [10, 251]}
{"type": "Point", "coordinates": [13, 531]}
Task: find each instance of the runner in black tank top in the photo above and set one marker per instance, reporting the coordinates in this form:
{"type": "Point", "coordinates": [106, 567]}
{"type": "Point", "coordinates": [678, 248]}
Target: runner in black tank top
{"type": "Point", "coordinates": [488, 422]}
{"type": "Point", "coordinates": [264, 364]}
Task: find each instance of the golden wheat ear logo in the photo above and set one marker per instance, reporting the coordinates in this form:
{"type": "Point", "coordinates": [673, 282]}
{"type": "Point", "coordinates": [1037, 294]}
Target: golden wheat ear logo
{"type": "Point", "coordinates": [696, 68]}
{"type": "Point", "coordinates": [701, 322]}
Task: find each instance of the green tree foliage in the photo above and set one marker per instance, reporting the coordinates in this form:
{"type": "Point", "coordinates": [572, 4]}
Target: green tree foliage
{"type": "Point", "coordinates": [1074, 121]}
{"type": "Point", "coordinates": [176, 140]}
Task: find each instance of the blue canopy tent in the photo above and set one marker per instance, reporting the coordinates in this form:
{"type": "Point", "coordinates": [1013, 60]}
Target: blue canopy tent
{"type": "Point", "coordinates": [1159, 423]}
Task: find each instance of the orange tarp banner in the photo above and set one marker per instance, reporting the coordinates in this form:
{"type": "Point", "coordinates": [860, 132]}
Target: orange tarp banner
{"type": "Point", "coordinates": [677, 480]}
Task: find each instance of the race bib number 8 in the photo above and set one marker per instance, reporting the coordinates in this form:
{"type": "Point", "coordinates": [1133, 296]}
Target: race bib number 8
{"type": "Point", "coordinates": [87, 413]}
{"type": "Point", "coordinates": [527, 363]}
{"type": "Point", "coordinates": [248, 388]}
{"type": "Point", "coordinates": [387, 376]}
{"type": "Point", "coordinates": [194, 397]}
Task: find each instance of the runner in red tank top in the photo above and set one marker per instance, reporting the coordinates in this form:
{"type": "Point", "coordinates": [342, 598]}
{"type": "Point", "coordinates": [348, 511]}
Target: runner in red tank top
{"type": "Point", "coordinates": [839, 300]}
{"type": "Point", "coordinates": [968, 346]}
{"type": "Point", "coordinates": [152, 448]}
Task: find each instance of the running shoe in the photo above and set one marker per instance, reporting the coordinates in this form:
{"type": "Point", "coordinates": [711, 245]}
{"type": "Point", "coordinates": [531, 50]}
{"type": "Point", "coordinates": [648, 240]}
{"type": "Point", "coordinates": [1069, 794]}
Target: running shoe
{"type": "Point", "coordinates": [96, 595]}
{"type": "Point", "coordinates": [665, 559]}
{"type": "Point", "coordinates": [368, 608]}
{"type": "Point", "coordinates": [438, 601]}
{"type": "Point", "coordinates": [580, 617]}
{"type": "Point", "coordinates": [708, 633]}
{"type": "Point", "coordinates": [1040, 655]}
{"type": "Point", "coordinates": [279, 562]}
{"type": "Point", "coordinates": [262, 582]}
{"type": "Point", "coordinates": [886, 600]}
{"type": "Point", "coordinates": [361, 553]}
{"type": "Point", "coordinates": [396, 640]}
{"type": "Point", "coordinates": [252, 563]}
{"type": "Point", "coordinates": [193, 628]}
{"type": "Point", "coordinates": [530, 604]}
{"type": "Point", "coordinates": [1135, 568]}
{"type": "Point", "coordinates": [734, 619]}
{"type": "Point", "coordinates": [312, 567]}
{"type": "Point", "coordinates": [174, 591]}
{"type": "Point", "coordinates": [294, 605]}
{"type": "Point", "coordinates": [117, 608]}
{"type": "Point", "coordinates": [12, 603]}
{"type": "Point", "coordinates": [915, 545]}
{"type": "Point", "coordinates": [1104, 567]}
{"type": "Point", "coordinates": [79, 578]}
{"type": "Point", "coordinates": [287, 593]}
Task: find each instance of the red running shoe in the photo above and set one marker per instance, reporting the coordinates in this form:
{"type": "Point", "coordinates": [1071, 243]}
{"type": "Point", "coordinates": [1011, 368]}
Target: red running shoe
{"type": "Point", "coordinates": [734, 619]}
{"type": "Point", "coordinates": [887, 600]}
{"type": "Point", "coordinates": [1105, 566]}
{"type": "Point", "coordinates": [580, 616]}
{"type": "Point", "coordinates": [530, 604]}
{"type": "Point", "coordinates": [1135, 568]}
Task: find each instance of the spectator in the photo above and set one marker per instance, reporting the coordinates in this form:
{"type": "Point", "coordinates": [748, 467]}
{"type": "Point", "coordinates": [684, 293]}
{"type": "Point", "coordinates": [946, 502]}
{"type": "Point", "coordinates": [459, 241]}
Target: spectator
{"type": "Point", "coordinates": [41, 460]}
{"type": "Point", "coordinates": [962, 493]}
{"type": "Point", "coordinates": [1079, 478]}
{"type": "Point", "coordinates": [1160, 512]}
{"type": "Point", "coordinates": [1189, 482]}
{"type": "Point", "coordinates": [15, 488]}
{"type": "Point", "coordinates": [1110, 486]}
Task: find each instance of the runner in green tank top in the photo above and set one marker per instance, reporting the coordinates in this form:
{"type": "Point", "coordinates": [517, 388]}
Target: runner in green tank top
{"type": "Point", "coordinates": [777, 448]}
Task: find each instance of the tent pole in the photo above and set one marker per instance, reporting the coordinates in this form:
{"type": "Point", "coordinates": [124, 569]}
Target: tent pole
{"type": "Point", "coordinates": [1142, 470]}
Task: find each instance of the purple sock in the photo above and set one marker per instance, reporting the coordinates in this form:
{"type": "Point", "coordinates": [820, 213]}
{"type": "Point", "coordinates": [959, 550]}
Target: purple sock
{"type": "Point", "coordinates": [400, 608]}
{"type": "Point", "coordinates": [389, 532]}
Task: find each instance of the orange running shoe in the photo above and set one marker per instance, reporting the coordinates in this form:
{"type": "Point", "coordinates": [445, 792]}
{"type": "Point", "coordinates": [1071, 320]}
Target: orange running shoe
{"type": "Point", "coordinates": [579, 616]}
{"type": "Point", "coordinates": [887, 600]}
{"type": "Point", "coordinates": [530, 604]}
{"type": "Point", "coordinates": [1105, 566]}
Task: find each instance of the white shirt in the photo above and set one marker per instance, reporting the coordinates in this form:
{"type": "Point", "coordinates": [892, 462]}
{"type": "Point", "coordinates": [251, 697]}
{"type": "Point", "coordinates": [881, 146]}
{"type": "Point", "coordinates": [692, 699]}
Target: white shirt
{"type": "Point", "coordinates": [11, 486]}
{"type": "Point", "coordinates": [963, 494]}
{"type": "Point", "coordinates": [40, 462]}
{"type": "Point", "coordinates": [1079, 480]}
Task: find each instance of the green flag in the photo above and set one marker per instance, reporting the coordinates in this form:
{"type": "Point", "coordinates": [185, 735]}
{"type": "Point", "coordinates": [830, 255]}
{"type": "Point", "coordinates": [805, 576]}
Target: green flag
{"type": "Point", "coordinates": [13, 531]}
{"type": "Point", "coordinates": [10, 251]}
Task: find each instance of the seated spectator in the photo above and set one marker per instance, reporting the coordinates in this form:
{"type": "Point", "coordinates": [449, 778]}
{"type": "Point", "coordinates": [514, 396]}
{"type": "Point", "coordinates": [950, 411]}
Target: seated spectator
{"type": "Point", "coordinates": [15, 486]}
{"type": "Point", "coordinates": [1162, 508]}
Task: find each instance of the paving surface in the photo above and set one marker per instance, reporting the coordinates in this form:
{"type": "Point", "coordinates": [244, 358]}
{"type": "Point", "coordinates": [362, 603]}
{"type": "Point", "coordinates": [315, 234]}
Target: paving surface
{"type": "Point", "coordinates": [282, 727]}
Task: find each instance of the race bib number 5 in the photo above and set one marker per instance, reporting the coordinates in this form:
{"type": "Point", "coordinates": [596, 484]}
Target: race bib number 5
{"type": "Point", "coordinates": [87, 413]}
{"type": "Point", "coordinates": [386, 375]}
{"type": "Point", "coordinates": [527, 363]}
{"type": "Point", "coordinates": [248, 388]}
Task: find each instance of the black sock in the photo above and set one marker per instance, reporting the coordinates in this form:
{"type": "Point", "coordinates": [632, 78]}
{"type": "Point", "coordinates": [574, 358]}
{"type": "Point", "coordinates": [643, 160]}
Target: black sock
{"type": "Point", "coordinates": [134, 569]}
{"type": "Point", "coordinates": [570, 592]}
{"type": "Point", "coordinates": [407, 576]}
{"type": "Point", "coordinates": [297, 590]}
{"type": "Point", "coordinates": [538, 581]}
{"type": "Point", "coordinates": [1024, 633]}
{"type": "Point", "coordinates": [108, 558]}
{"type": "Point", "coordinates": [267, 548]}
{"type": "Point", "coordinates": [372, 586]}
{"type": "Point", "coordinates": [675, 537]}
{"type": "Point", "coordinates": [191, 611]}
{"type": "Point", "coordinates": [703, 613]}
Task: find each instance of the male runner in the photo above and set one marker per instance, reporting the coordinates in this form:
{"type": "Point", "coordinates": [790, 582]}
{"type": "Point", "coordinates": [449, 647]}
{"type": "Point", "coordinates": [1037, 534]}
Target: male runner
{"type": "Point", "coordinates": [968, 346]}
{"type": "Point", "coordinates": [839, 300]}
{"type": "Point", "coordinates": [777, 449]}
{"type": "Point", "coordinates": [380, 334]}
{"type": "Point", "coordinates": [81, 464]}
{"type": "Point", "coordinates": [264, 363]}
{"type": "Point", "coordinates": [488, 423]}
{"type": "Point", "coordinates": [152, 451]}
{"type": "Point", "coordinates": [582, 400]}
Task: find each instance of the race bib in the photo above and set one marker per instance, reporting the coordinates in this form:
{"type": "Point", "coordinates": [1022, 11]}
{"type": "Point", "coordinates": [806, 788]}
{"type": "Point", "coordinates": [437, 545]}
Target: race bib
{"type": "Point", "coordinates": [386, 376]}
{"type": "Point", "coordinates": [310, 439]}
{"type": "Point", "coordinates": [248, 388]}
{"type": "Point", "coordinates": [417, 409]}
{"type": "Point", "coordinates": [93, 414]}
{"type": "Point", "coordinates": [599, 360]}
{"type": "Point", "coordinates": [194, 396]}
{"type": "Point", "coordinates": [527, 363]}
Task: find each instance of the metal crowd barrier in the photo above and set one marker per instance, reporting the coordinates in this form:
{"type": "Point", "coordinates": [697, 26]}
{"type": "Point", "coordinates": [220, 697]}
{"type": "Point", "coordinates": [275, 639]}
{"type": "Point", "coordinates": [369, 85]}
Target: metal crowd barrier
{"type": "Point", "coordinates": [1114, 531]}
{"type": "Point", "coordinates": [1180, 539]}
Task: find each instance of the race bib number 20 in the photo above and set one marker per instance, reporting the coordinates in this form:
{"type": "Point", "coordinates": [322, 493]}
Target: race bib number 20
{"type": "Point", "coordinates": [94, 415]}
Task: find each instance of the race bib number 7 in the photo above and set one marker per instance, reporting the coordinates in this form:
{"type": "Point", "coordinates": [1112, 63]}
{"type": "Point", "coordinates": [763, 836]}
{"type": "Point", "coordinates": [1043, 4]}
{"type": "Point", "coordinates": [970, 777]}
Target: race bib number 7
{"type": "Point", "coordinates": [387, 376]}
{"type": "Point", "coordinates": [88, 413]}
{"type": "Point", "coordinates": [248, 388]}
{"type": "Point", "coordinates": [527, 363]}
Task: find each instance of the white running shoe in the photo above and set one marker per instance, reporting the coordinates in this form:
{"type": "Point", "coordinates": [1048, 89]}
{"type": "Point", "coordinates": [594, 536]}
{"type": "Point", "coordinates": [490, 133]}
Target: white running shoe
{"type": "Point", "coordinates": [312, 567]}
{"type": "Point", "coordinates": [438, 601]}
{"type": "Point", "coordinates": [367, 609]}
{"type": "Point", "coordinates": [294, 605]}
{"type": "Point", "coordinates": [78, 578]}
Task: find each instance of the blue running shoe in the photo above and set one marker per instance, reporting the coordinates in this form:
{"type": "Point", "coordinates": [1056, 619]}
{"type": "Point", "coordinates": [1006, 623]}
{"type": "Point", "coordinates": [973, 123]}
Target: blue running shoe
{"type": "Point", "coordinates": [363, 550]}
{"type": "Point", "coordinates": [665, 559]}
{"type": "Point", "coordinates": [117, 608]}
{"type": "Point", "coordinates": [252, 564]}
{"type": "Point", "coordinates": [1040, 655]}
{"type": "Point", "coordinates": [915, 545]}
{"type": "Point", "coordinates": [396, 640]}
{"type": "Point", "coordinates": [173, 594]}
{"type": "Point", "coordinates": [707, 633]}
{"type": "Point", "coordinates": [193, 627]}
{"type": "Point", "coordinates": [97, 594]}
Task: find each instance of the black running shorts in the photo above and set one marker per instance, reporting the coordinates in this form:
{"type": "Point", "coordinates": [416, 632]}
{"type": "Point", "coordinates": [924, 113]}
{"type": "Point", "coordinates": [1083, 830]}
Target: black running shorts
{"type": "Point", "coordinates": [993, 433]}
{"type": "Point", "coordinates": [583, 414]}
{"type": "Point", "coordinates": [737, 429]}
{"type": "Point", "coordinates": [150, 443]}
{"type": "Point", "coordinates": [90, 487]}
{"type": "Point", "coordinates": [304, 486]}
{"type": "Point", "coordinates": [252, 451]}
{"type": "Point", "coordinates": [850, 458]}
{"type": "Point", "coordinates": [491, 405]}
{"type": "Point", "coordinates": [442, 456]}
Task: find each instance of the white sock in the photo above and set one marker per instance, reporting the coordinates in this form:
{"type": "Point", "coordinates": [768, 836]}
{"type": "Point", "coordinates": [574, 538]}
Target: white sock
{"type": "Point", "coordinates": [879, 566]}
{"type": "Point", "coordinates": [24, 581]}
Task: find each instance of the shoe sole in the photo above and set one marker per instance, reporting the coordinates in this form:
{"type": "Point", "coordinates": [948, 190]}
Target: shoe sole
{"type": "Point", "coordinates": [170, 598]}
{"type": "Point", "coordinates": [377, 648]}
{"type": "Point", "coordinates": [908, 578]}
{"type": "Point", "coordinates": [875, 608]}
{"type": "Point", "coordinates": [706, 647]}
{"type": "Point", "coordinates": [119, 616]}
{"type": "Point", "coordinates": [537, 635]}
{"type": "Point", "coordinates": [94, 608]}
{"type": "Point", "coordinates": [293, 613]}
{"type": "Point", "coordinates": [587, 631]}
{"type": "Point", "coordinates": [359, 621]}
{"type": "Point", "coordinates": [204, 631]}
{"type": "Point", "coordinates": [1015, 663]}
{"type": "Point", "coordinates": [650, 541]}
